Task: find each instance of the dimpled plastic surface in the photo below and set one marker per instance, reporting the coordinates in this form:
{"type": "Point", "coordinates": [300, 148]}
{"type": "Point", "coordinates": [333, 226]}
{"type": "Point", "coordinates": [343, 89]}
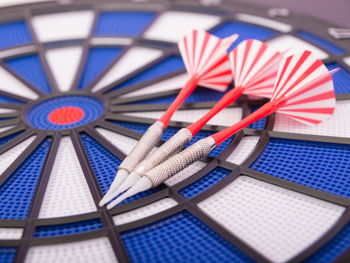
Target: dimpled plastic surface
{"type": "Point", "coordinates": [341, 79]}
{"type": "Point", "coordinates": [124, 23]}
{"type": "Point", "coordinates": [323, 166]}
{"type": "Point", "coordinates": [105, 166]}
{"type": "Point", "coordinates": [170, 131]}
{"type": "Point", "coordinates": [243, 149]}
{"type": "Point", "coordinates": [179, 238]}
{"type": "Point", "coordinates": [7, 254]}
{"type": "Point", "coordinates": [244, 30]}
{"type": "Point", "coordinates": [185, 173]}
{"type": "Point", "coordinates": [163, 67]}
{"type": "Point", "coordinates": [205, 182]}
{"type": "Point", "coordinates": [9, 233]}
{"type": "Point", "coordinates": [17, 192]}
{"type": "Point", "coordinates": [322, 43]}
{"type": "Point", "coordinates": [68, 229]}
{"type": "Point", "coordinates": [331, 251]}
{"type": "Point", "coordinates": [86, 251]}
{"type": "Point", "coordinates": [259, 124]}
{"type": "Point", "coordinates": [4, 99]}
{"type": "Point", "coordinates": [38, 116]}
{"type": "Point", "coordinates": [14, 34]}
{"type": "Point", "coordinates": [277, 222]}
{"type": "Point", "coordinates": [97, 60]}
{"type": "Point", "coordinates": [30, 68]}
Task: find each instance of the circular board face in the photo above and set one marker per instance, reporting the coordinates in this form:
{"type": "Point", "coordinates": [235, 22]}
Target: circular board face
{"type": "Point", "coordinates": [80, 83]}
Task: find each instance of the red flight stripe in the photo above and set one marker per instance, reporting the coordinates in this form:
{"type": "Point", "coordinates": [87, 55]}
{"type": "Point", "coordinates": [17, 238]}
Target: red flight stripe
{"type": "Point", "coordinates": [304, 119]}
{"type": "Point", "coordinates": [285, 66]}
{"type": "Point", "coordinates": [312, 110]}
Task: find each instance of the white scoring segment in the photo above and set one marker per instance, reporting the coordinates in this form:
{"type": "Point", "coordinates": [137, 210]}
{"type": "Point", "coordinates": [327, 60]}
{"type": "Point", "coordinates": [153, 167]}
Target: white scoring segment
{"type": "Point", "coordinates": [285, 42]}
{"type": "Point", "coordinates": [277, 222]}
{"type": "Point", "coordinates": [174, 83]}
{"type": "Point", "coordinates": [145, 211]}
{"type": "Point", "coordinates": [64, 64]}
{"type": "Point", "coordinates": [7, 233]}
{"type": "Point", "coordinates": [10, 84]}
{"type": "Point", "coordinates": [185, 173]}
{"type": "Point", "coordinates": [6, 128]}
{"type": "Point", "coordinates": [63, 26]}
{"type": "Point", "coordinates": [347, 60]}
{"type": "Point", "coordinates": [283, 27]}
{"type": "Point", "coordinates": [243, 150]}
{"type": "Point", "coordinates": [134, 58]}
{"type": "Point", "coordinates": [336, 125]}
{"type": "Point", "coordinates": [172, 26]}
{"type": "Point", "coordinates": [89, 251]}
{"type": "Point", "coordinates": [226, 117]}
{"type": "Point", "coordinates": [6, 110]}
{"type": "Point", "coordinates": [8, 157]}
{"type": "Point", "coordinates": [123, 143]}
{"type": "Point", "coordinates": [67, 192]}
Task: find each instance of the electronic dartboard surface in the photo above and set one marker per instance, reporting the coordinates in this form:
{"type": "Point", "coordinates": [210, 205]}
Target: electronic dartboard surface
{"type": "Point", "coordinates": [79, 85]}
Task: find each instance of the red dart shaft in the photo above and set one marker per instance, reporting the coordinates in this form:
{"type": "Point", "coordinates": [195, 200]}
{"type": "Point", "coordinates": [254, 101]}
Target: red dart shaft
{"type": "Point", "coordinates": [262, 112]}
{"type": "Point", "coordinates": [183, 94]}
{"type": "Point", "coordinates": [226, 100]}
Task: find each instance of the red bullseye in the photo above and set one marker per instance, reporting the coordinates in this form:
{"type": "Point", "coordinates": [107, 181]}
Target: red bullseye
{"type": "Point", "coordinates": [66, 115]}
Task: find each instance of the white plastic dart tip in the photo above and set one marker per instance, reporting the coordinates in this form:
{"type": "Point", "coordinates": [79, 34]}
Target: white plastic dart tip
{"type": "Point", "coordinates": [142, 185]}
{"type": "Point", "coordinates": [130, 181]}
{"type": "Point", "coordinates": [118, 180]}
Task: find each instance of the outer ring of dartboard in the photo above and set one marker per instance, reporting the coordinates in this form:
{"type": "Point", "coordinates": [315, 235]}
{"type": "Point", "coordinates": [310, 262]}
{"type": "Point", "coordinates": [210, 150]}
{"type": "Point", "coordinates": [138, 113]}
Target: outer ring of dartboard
{"type": "Point", "coordinates": [297, 21]}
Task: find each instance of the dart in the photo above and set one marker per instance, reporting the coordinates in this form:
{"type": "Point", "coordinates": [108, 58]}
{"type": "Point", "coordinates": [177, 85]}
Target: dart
{"type": "Point", "coordinates": [206, 61]}
{"type": "Point", "coordinates": [303, 91]}
{"type": "Point", "coordinates": [254, 70]}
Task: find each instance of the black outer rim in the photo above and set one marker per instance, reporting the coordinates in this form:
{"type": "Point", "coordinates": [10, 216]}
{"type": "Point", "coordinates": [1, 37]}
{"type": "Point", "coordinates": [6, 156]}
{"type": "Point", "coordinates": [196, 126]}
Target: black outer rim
{"type": "Point", "coordinates": [113, 232]}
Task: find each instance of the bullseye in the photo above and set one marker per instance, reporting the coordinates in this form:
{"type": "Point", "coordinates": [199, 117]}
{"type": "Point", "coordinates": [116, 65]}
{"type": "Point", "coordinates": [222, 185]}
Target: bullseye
{"type": "Point", "coordinates": [66, 115]}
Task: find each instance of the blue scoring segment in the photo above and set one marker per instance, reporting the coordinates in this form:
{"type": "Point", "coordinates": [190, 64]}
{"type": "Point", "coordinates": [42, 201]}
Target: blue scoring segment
{"type": "Point", "coordinates": [245, 31]}
{"type": "Point", "coordinates": [9, 138]}
{"type": "Point", "coordinates": [68, 229]}
{"type": "Point", "coordinates": [259, 124]}
{"type": "Point", "coordinates": [38, 116]}
{"type": "Point", "coordinates": [98, 59]}
{"type": "Point", "coordinates": [123, 23]}
{"type": "Point", "coordinates": [322, 43]}
{"type": "Point", "coordinates": [162, 68]}
{"type": "Point", "coordinates": [17, 192]}
{"type": "Point", "coordinates": [319, 165]}
{"type": "Point", "coordinates": [179, 238]}
{"type": "Point", "coordinates": [341, 79]}
{"type": "Point", "coordinates": [204, 183]}
{"type": "Point", "coordinates": [7, 254]}
{"type": "Point", "coordinates": [5, 99]}
{"type": "Point", "coordinates": [331, 251]}
{"type": "Point", "coordinates": [30, 68]}
{"type": "Point", "coordinates": [170, 131]}
{"type": "Point", "coordinates": [105, 166]}
{"type": "Point", "coordinates": [14, 34]}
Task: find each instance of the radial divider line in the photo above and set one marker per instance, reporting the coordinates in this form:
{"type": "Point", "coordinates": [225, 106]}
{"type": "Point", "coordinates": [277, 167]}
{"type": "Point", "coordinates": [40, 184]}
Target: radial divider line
{"type": "Point", "coordinates": [340, 97]}
{"type": "Point", "coordinates": [10, 115]}
{"type": "Point", "coordinates": [41, 52]}
{"type": "Point", "coordinates": [29, 228]}
{"type": "Point", "coordinates": [134, 87]}
{"type": "Point", "coordinates": [21, 79]}
{"type": "Point", "coordinates": [131, 75]}
{"type": "Point", "coordinates": [16, 97]}
{"type": "Point", "coordinates": [96, 193]}
{"type": "Point", "coordinates": [86, 49]}
{"type": "Point", "coordinates": [219, 229]}
{"type": "Point", "coordinates": [18, 139]}
{"type": "Point", "coordinates": [118, 101]}
{"type": "Point", "coordinates": [10, 105]}
{"type": "Point", "coordinates": [324, 239]}
{"type": "Point", "coordinates": [177, 124]}
{"type": "Point", "coordinates": [105, 143]}
{"type": "Point", "coordinates": [21, 158]}
{"type": "Point", "coordinates": [328, 197]}
{"type": "Point", "coordinates": [11, 131]}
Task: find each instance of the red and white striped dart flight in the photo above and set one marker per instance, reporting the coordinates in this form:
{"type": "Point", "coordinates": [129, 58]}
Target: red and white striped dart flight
{"type": "Point", "coordinates": [303, 91]}
{"type": "Point", "coordinates": [255, 72]}
{"type": "Point", "coordinates": [207, 64]}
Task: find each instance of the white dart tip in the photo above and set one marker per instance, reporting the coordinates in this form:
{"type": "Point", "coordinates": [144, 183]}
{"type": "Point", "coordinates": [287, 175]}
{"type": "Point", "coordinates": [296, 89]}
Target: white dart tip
{"type": "Point", "coordinates": [118, 180]}
{"type": "Point", "coordinates": [142, 185]}
{"type": "Point", "coordinates": [129, 182]}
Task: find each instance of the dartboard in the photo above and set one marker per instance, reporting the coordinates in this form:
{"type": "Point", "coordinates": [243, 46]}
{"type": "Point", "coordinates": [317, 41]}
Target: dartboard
{"type": "Point", "coordinates": [79, 85]}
